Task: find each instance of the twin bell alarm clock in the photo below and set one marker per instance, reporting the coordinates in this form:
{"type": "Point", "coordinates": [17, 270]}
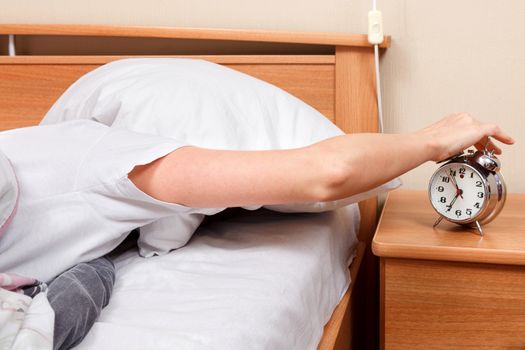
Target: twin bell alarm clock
{"type": "Point", "coordinates": [468, 189]}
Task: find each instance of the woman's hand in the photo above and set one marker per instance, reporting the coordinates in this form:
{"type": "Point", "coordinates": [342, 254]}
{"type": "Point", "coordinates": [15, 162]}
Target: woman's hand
{"type": "Point", "coordinates": [457, 132]}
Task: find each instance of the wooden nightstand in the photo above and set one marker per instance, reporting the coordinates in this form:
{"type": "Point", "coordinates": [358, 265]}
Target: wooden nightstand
{"type": "Point", "coordinates": [448, 288]}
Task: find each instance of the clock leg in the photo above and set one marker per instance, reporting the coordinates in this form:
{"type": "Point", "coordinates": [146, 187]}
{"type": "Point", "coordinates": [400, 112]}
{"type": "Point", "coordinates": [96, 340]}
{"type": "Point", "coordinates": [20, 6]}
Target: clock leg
{"type": "Point", "coordinates": [438, 221]}
{"type": "Point", "coordinates": [479, 228]}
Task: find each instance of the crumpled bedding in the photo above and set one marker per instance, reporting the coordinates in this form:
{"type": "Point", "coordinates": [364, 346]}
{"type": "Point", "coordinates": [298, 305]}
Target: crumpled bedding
{"type": "Point", "coordinates": [263, 280]}
{"type": "Point", "coordinates": [26, 322]}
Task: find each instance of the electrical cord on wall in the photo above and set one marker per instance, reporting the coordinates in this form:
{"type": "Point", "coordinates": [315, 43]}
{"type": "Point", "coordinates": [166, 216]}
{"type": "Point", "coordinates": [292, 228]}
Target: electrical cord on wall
{"type": "Point", "coordinates": [376, 37]}
{"type": "Point", "coordinates": [11, 45]}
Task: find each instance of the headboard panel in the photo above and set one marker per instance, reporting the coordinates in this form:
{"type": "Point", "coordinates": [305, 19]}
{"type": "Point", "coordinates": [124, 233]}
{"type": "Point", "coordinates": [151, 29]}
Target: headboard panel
{"type": "Point", "coordinates": [30, 85]}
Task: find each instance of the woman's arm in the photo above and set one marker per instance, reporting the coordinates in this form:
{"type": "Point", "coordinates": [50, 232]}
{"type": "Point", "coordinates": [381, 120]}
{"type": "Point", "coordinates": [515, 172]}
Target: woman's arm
{"type": "Point", "coordinates": [328, 170]}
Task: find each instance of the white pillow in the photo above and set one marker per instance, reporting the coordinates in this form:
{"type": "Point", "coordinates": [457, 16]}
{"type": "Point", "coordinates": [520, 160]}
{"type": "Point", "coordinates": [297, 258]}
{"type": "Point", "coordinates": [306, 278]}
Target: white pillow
{"type": "Point", "coordinates": [199, 103]}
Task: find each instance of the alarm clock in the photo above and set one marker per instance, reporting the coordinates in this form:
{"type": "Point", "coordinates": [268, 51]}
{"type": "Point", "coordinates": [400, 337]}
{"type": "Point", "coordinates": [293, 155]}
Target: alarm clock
{"type": "Point", "coordinates": [468, 189]}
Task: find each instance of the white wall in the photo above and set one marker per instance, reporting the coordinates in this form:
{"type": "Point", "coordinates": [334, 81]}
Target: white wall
{"type": "Point", "coordinates": [450, 56]}
{"type": "Point", "coordinates": [446, 55]}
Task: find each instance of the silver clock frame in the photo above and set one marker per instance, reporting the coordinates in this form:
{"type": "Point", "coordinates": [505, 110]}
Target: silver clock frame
{"type": "Point", "coordinates": [495, 189]}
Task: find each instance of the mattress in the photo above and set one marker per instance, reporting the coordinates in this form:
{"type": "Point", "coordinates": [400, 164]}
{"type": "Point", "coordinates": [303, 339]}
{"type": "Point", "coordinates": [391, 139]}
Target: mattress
{"type": "Point", "coordinates": [260, 280]}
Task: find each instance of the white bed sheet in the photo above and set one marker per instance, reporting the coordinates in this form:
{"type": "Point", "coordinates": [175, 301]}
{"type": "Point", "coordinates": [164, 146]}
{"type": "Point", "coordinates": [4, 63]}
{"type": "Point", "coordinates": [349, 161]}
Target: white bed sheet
{"type": "Point", "coordinates": [262, 280]}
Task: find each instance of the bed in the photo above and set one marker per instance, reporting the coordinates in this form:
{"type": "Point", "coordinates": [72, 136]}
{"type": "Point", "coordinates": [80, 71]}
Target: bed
{"type": "Point", "coordinates": [332, 72]}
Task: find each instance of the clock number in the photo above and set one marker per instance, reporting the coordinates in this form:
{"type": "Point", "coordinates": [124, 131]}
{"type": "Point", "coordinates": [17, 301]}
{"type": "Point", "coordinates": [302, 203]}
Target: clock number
{"type": "Point", "coordinates": [478, 183]}
{"type": "Point", "coordinates": [462, 171]}
{"type": "Point", "coordinates": [480, 194]}
{"type": "Point", "coordinates": [440, 188]}
{"type": "Point", "coordinates": [471, 174]}
{"type": "Point", "coordinates": [476, 205]}
{"type": "Point", "coordinates": [443, 200]}
{"type": "Point", "coordinates": [458, 213]}
{"type": "Point", "coordinates": [469, 212]}
{"type": "Point", "coordinates": [453, 172]}
{"type": "Point", "coordinates": [446, 179]}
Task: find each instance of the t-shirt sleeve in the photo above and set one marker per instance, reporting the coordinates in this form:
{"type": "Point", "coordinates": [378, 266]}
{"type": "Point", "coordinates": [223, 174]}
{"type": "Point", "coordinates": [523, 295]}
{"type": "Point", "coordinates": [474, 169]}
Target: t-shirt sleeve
{"type": "Point", "coordinates": [103, 176]}
{"type": "Point", "coordinates": [118, 152]}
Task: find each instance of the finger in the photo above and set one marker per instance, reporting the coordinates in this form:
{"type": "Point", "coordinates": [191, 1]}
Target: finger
{"type": "Point", "coordinates": [498, 134]}
{"type": "Point", "coordinates": [489, 146]}
{"type": "Point", "coordinates": [482, 144]}
{"type": "Point", "coordinates": [492, 147]}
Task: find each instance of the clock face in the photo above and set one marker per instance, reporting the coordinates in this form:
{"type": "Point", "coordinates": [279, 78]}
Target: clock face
{"type": "Point", "coordinates": [458, 192]}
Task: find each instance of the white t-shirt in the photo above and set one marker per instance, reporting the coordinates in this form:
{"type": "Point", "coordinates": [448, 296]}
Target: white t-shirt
{"type": "Point", "coordinates": [76, 202]}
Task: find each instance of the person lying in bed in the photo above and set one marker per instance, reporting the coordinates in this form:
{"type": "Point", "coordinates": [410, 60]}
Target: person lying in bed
{"type": "Point", "coordinates": [84, 186]}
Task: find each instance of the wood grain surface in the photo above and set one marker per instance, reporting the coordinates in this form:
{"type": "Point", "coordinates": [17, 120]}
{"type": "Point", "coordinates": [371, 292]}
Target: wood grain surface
{"type": "Point", "coordinates": [446, 287]}
{"type": "Point", "coordinates": [190, 33]}
{"type": "Point", "coordinates": [220, 59]}
{"type": "Point", "coordinates": [29, 90]}
{"type": "Point", "coordinates": [451, 305]}
{"type": "Point", "coordinates": [406, 232]}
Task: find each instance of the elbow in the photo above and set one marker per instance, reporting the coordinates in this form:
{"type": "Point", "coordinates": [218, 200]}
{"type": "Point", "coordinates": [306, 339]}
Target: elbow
{"type": "Point", "coordinates": [336, 181]}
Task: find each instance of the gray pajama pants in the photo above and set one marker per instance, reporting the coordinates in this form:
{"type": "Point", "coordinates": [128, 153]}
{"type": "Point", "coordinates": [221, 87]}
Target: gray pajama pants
{"type": "Point", "coordinates": [77, 296]}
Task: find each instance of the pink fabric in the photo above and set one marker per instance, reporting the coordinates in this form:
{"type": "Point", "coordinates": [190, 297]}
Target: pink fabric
{"type": "Point", "coordinates": [13, 282]}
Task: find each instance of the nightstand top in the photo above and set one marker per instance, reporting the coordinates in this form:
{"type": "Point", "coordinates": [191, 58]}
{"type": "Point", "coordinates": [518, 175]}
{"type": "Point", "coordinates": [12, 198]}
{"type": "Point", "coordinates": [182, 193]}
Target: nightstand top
{"type": "Point", "coordinates": [405, 231]}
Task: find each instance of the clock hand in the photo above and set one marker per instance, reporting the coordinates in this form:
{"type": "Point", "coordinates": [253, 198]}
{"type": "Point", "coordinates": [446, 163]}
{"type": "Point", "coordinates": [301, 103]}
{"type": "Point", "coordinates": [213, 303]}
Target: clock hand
{"type": "Point", "coordinates": [452, 203]}
{"type": "Point", "coordinates": [458, 191]}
